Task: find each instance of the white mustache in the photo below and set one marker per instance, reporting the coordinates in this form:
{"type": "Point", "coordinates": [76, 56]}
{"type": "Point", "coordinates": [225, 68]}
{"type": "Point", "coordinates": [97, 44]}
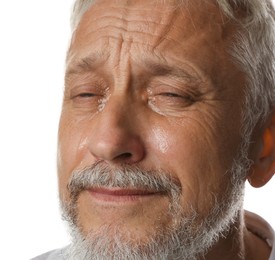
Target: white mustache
{"type": "Point", "coordinates": [103, 175]}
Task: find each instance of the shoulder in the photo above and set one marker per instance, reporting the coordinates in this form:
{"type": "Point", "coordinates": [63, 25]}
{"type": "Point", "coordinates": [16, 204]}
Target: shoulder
{"type": "Point", "coordinates": [57, 254]}
{"type": "Point", "coordinates": [259, 227]}
{"type": "Point", "coordinates": [262, 229]}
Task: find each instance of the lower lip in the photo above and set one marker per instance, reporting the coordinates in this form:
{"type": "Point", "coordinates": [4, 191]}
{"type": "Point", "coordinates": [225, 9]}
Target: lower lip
{"type": "Point", "coordinates": [120, 195]}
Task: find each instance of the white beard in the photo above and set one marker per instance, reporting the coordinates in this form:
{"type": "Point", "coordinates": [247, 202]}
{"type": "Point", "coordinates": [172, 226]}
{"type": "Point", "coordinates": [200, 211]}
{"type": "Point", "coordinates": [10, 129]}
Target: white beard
{"type": "Point", "coordinates": [187, 238]}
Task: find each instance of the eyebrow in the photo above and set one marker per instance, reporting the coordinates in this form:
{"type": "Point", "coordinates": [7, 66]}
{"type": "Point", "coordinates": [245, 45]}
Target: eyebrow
{"type": "Point", "coordinates": [86, 64]}
{"type": "Point", "coordinates": [159, 69]}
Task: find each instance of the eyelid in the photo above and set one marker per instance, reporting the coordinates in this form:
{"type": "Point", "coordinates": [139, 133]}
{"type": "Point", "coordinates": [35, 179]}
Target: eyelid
{"type": "Point", "coordinates": [156, 89]}
{"type": "Point", "coordinates": [85, 89]}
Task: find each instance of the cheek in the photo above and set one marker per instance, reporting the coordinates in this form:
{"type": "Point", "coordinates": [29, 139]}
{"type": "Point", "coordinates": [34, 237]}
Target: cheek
{"type": "Point", "coordinates": [181, 146]}
{"type": "Point", "coordinates": [192, 154]}
{"type": "Point", "coordinates": [72, 149]}
{"type": "Point", "coordinates": [161, 140]}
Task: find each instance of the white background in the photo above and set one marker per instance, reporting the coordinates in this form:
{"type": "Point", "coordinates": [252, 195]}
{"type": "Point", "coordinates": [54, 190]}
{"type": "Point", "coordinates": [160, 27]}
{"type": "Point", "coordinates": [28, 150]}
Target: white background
{"type": "Point", "coordinates": [33, 40]}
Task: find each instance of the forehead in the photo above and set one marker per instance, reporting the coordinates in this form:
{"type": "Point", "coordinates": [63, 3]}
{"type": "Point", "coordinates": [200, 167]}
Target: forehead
{"type": "Point", "coordinates": [167, 30]}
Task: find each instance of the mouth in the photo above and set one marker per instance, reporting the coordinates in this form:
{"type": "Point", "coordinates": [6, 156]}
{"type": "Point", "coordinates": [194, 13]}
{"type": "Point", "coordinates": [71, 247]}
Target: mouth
{"type": "Point", "coordinates": [121, 195]}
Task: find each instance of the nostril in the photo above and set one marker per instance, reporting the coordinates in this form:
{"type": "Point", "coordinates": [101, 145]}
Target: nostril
{"type": "Point", "coordinates": [125, 156]}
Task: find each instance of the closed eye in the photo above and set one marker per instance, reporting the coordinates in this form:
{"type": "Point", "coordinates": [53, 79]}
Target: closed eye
{"type": "Point", "coordinates": [176, 95]}
{"type": "Point", "coordinates": [86, 95]}
{"type": "Point", "coordinates": [168, 94]}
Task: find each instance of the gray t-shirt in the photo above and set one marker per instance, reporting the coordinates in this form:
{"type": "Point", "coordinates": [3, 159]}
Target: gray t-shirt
{"type": "Point", "coordinates": [52, 255]}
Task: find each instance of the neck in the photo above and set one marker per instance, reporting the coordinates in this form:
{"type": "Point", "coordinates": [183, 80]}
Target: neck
{"type": "Point", "coordinates": [239, 244]}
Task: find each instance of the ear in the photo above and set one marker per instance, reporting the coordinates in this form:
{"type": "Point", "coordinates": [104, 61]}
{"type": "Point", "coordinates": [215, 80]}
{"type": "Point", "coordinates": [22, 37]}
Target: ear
{"type": "Point", "coordinates": [264, 165]}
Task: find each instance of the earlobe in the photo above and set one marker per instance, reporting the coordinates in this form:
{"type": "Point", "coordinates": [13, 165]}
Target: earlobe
{"type": "Point", "coordinates": [259, 178]}
{"type": "Point", "coordinates": [264, 166]}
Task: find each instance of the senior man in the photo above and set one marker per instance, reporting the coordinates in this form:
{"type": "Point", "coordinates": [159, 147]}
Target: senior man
{"type": "Point", "coordinates": [168, 109]}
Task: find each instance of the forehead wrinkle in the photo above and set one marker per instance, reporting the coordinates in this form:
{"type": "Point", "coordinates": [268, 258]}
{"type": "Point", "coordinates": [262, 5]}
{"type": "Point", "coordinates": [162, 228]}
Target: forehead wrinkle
{"type": "Point", "coordinates": [131, 19]}
{"type": "Point", "coordinates": [164, 31]}
{"type": "Point", "coordinates": [136, 14]}
{"type": "Point", "coordinates": [143, 26]}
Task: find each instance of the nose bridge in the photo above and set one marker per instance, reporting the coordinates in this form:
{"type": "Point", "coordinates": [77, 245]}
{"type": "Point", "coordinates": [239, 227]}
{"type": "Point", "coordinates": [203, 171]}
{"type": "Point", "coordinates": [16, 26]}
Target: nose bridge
{"type": "Point", "coordinates": [114, 135]}
{"type": "Point", "coordinates": [116, 114]}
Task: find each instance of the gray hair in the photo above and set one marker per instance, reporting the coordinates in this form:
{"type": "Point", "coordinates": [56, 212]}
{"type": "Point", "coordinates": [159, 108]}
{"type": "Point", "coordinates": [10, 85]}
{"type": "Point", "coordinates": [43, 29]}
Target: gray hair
{"type": "Point", "coordinates": [252, 51]}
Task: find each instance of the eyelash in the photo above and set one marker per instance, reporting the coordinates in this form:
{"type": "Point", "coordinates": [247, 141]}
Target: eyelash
{"type": "Point", "coordinates": [85, 95]}
{"type": "Point", "coordinates": [188, 94]}
{"type": "Point", "coordinates": [86, 91]}
{"type": "Point", "coordinates": [175, 95]}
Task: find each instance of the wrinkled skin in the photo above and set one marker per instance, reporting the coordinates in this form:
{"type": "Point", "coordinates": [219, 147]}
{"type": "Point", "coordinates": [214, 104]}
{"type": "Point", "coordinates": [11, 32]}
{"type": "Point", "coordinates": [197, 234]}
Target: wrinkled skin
{"type": "Point", "coordinates": [151, 85]}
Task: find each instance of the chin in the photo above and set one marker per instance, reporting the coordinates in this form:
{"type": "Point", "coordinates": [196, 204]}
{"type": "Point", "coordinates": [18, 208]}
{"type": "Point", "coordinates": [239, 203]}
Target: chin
{"type": "Point", "coordinates": [187, 236]}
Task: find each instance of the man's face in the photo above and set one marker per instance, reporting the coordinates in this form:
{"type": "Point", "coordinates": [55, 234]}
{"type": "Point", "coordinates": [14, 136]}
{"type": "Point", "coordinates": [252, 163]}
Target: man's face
{"type": "Point", "coordinates": [152, 87]}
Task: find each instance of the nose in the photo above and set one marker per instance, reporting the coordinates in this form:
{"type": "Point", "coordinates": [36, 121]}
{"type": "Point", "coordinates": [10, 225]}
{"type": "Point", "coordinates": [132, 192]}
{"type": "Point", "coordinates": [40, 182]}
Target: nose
{"type": "Point", "coordinates": [114, 136]}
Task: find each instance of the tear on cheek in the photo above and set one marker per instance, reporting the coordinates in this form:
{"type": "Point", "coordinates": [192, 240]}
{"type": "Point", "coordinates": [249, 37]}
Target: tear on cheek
{"type": "Point", "coordinates": [102, 103]}
{"type": "Point", "coordinates": [161, 140]}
